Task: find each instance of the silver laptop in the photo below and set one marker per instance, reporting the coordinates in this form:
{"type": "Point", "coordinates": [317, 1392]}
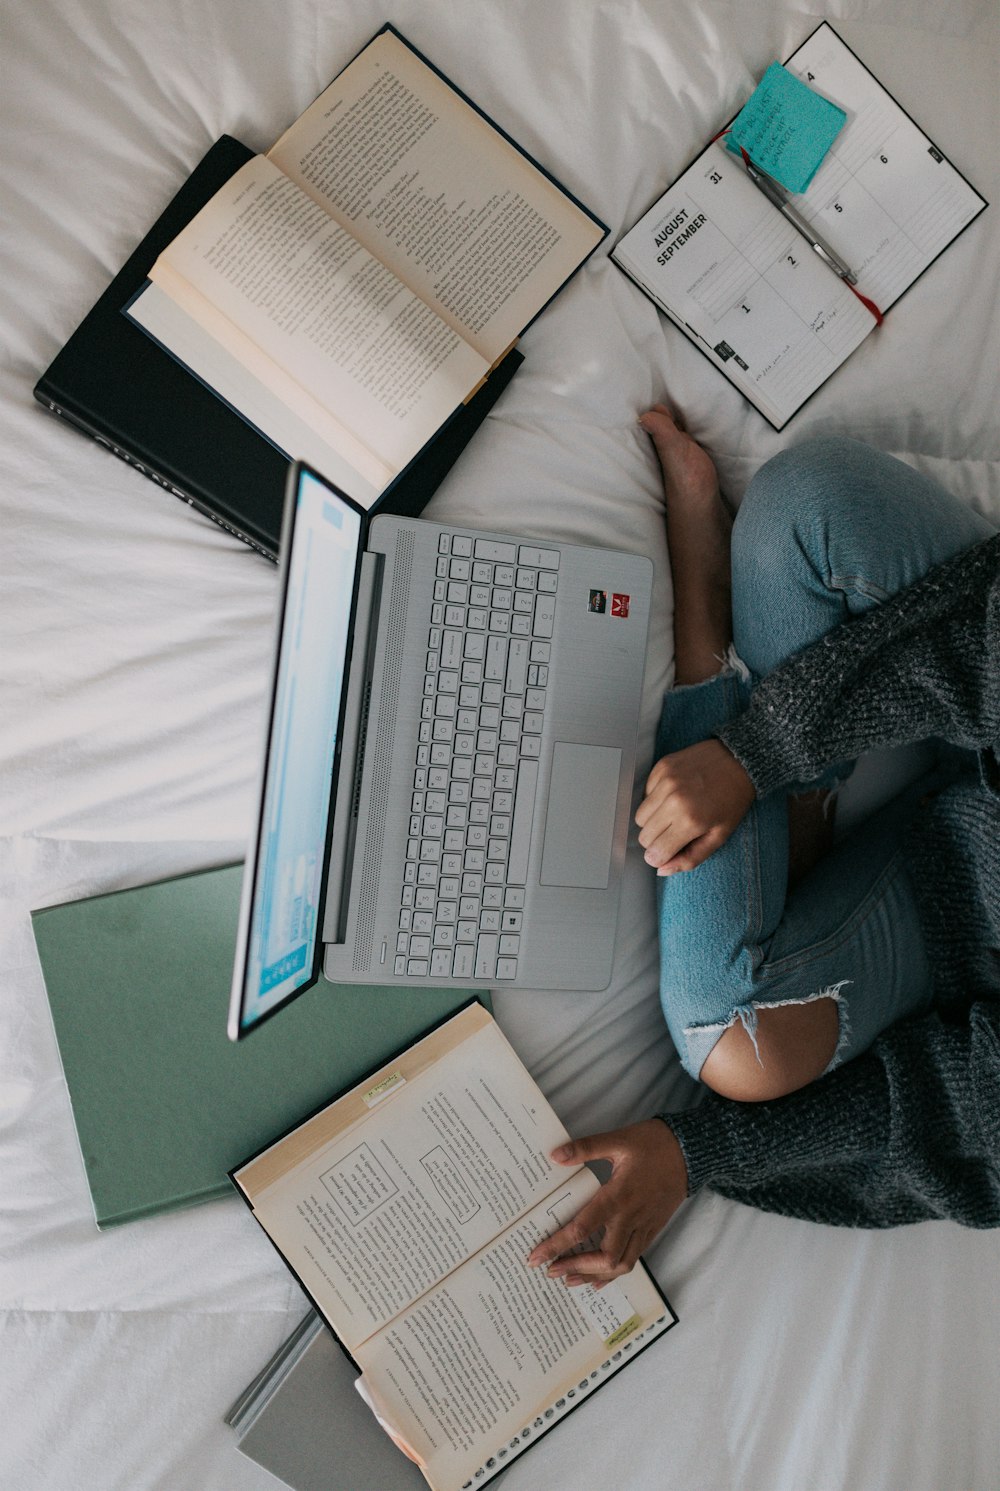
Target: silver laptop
{"type": "Point", "coordinates": [447, 777]}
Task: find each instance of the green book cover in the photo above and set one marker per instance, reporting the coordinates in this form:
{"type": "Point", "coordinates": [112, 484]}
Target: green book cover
{"type": "Point", "coordinates": [164, 1103]}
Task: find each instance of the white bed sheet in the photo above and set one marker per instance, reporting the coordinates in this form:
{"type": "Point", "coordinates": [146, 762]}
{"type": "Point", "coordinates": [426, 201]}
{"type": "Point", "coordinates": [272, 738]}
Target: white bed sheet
{"type": "Point", "coordinates": [134, 641]}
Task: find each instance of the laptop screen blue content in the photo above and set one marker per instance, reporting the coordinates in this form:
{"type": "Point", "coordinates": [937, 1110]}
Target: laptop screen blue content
{"type": "Point", "coordinates": [315, 635]}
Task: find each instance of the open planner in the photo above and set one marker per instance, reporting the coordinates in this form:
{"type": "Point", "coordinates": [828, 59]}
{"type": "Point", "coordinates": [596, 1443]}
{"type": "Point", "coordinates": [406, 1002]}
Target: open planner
{"type": "Point", "coordinates": [407, 1209]}
{"type": "Point", "coordinates": [723, 262]}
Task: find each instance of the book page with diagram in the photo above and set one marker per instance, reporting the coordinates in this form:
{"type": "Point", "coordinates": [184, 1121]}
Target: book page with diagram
{"type": "Point", "coordinates": [377, 1198]}
{"type": "Point", "coordinates": [885, 198]}
{"type": "Point", "coordinates": [722, 262]}
{"type": "Point", "coordinates": [498, 1352]}
{"type": "Point", "coordinates": [434, 191]}
{"type": "Point", "coordinates": [316, 318]}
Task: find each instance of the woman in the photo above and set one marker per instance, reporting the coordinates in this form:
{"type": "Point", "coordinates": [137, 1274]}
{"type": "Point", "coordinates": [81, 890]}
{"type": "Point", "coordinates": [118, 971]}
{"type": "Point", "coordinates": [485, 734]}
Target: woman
{"type": "Point", "coordinates": [768, 988]}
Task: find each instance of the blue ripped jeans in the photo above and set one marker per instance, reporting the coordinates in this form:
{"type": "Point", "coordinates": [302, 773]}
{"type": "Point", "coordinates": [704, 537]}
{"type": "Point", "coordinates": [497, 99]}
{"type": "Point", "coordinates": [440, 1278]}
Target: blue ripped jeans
{"type": "Point", "coordinates": [826, 531]}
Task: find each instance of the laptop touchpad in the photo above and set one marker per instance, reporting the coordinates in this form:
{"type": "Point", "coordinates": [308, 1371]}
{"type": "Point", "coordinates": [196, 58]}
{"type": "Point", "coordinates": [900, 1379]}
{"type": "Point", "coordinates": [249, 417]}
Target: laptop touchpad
{"type": "Point", "coordinates": [583, 794]}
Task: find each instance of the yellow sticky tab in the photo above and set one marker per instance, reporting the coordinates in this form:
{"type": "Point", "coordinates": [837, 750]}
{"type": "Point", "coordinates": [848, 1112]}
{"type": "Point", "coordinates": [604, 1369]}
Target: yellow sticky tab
{"type": "Point", "coordinates": [624, 1330]}
{"type": "Point", "coordinates": [382, 1089]}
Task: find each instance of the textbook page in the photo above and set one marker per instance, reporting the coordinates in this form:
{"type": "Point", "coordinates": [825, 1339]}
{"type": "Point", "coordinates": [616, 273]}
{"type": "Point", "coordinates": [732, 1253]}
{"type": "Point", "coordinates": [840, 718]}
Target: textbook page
{"type": "Point", "coordinates": [885, 198]}
{"type": "Point", "coordinates": [722, 262]}
{"type": "Point", "coordinates": [479, 1365]}
{"type": "Point", "coordinates": [373, 1211]}
{"type": "Point", "coordinates": [435, 192]}
{"type": "Point", "coordinates": [321, 440]}
{"type": "Point", "coordinates": [263, 262]}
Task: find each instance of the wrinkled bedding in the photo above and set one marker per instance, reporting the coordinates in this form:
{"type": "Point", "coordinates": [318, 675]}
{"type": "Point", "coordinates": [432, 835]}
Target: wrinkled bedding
{"type": "Point", "coordinates": [135, 636]}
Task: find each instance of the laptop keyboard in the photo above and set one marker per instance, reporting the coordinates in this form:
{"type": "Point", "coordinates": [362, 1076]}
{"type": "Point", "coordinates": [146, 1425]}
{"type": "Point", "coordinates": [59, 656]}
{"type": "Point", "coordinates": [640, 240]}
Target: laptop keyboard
{"type": "Point", "coordinates": [477, 763]}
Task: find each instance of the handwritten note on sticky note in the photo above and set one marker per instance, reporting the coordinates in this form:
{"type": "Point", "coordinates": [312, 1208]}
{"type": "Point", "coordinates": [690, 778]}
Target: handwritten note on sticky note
{"type": "Point", "coordinates": [786, 128]}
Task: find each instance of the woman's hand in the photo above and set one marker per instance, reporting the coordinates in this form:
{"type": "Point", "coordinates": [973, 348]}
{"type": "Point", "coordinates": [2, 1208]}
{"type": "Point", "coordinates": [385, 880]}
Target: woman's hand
{"type": "Point", "coordinates": [694, 799]}
{"type": "Point", "coordinates": [648, 1183]}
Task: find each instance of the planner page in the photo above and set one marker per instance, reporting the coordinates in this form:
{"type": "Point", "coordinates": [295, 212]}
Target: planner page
{"type": "Point", "coordinates": [722, 262]}
{"type": "Point", "coordinates": [885, 198]}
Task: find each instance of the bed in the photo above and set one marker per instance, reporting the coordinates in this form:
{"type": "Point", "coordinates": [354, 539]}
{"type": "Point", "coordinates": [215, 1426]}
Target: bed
{"type": "Point", "coordinates": [135, 642]}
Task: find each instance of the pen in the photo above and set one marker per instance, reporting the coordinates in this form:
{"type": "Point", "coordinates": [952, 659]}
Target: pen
{"type": "Point", "coordinates": [774, 194]}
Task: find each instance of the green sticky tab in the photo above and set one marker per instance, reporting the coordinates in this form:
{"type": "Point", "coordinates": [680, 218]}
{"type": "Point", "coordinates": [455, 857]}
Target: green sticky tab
{"type": "Point", "coordinates": [786, 128]}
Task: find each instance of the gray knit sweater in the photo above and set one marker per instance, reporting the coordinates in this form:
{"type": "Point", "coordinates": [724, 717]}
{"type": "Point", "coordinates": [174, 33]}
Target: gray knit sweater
{"type": "Point", "coordinates": [910, 1129]}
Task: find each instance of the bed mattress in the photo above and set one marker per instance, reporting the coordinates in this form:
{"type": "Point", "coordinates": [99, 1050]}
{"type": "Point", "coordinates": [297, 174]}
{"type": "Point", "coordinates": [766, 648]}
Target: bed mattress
{"type": "Point", "coordinates": [135, 640]}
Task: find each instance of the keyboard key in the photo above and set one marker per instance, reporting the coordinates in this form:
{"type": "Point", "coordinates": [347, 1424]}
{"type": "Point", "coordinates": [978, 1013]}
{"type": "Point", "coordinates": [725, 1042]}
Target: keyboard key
{"type": "Point", "coordinates": [423, 922]}
{"type": "Point", "coordinates": [520, 626]}
{"type": "Point", "coordinates": [510, 921]}
{"type": "Point", "coordinates": [482, 573]}
{"type": "Point", "coordinates": [479, 811]}
{"type": "Point", "coordinates": [524, 600]}
{"type": "Point", "coordinates": [524, 808]}
{"type": "Point", "coordinates": [504, 575]}
{"type": "Point", "coordinates": [427, 874]}
{"type": "Point", "coordinates": [509, 946]}
{"type": "Point", "coordinates": [454, 840]}
{"type": "Point", "coordinates": [417, 968]}
{"type": "Point", "coordinates": [467, 720]}
{"type": "Point", "coordinates": [434, 802]}
{"type": "Point", "coordinates": [420, 947]}
{"type": "Point", "coordinates": [506, 968]}
{"type": "Point", "coordinates": [547, 582]}
{"type": "Point", "coordinates": [507, 758]}
{"type": "Point", "coordinates": [441, 567]}
{"type": "Point", "coordinates": [472, 884]}
{"type": "Point", "coordinates": [399, 966]}
{"type": "Point", "coordinates": [500, 553]}
{"type": "Point", "coordinates": [425, 898]}
{"type": "Point", "coordinates": [479, 595]}
{"type": "Point", "coordinates": [493, 897]}
{"type": "Point", "coordinates": [443, 730]}
{"type": "Point", "coordinates": [545, 610]}
{"type": "Point", "coordinates": [475, 646]}
{"type": "Point", "coordinates": [534, 698]}
{"type": "Point", "coordinates": [513, 896]}
{"type": "Point", "coordinates": [540, 652]}
{"type": "Point", "coordinates": [464, 962]}
{"type": "Point", "coordinates": [439, 590]}
{"type": "Point", "coordinates": [441, 960]}
{"type": "Point", "coordinates": [492, 693]}
{"type": "Point", "coordinates": [532, 723]}
{"type": "Point", "coordinates": [525, 579]}
{"type": "Point", "coordinates": [517, 666]}
{"type": "Point", "coordinates": [499, 622]}
{"type": "Point", "coordinates": [502, 600]}
{"type": "Point", "coordinates": [448, 888]}
{"type": "Point", "coordinates": [459, 568]}
{"type": "Point", "coordinates": [444, 934]}
{"type": "Point", "coordinates": [451, 864]}
{"type": "Point", "coordinates": [489, 921]}
{"type": "Point", "coordinates": [458, 593]}
{"type": "Point", "coordinates": [495, 666]}
{"type": "Point", "coordinates": [496, 873]}
{"type": "Point", "coordinates": [454, 615]}
{"type": "Point", "coordinates": [531, 746]}
{"type": "Point", "coordinates": [477, 619]}
{"type": "Point", "coordinates": [451, 649]}
{"type": "Point", "coordinates": [440, 753]}
{"type": "Point", "coordinates": [444, 543]}
{"type": "Point", "coordinates": [486, 955]}
{"type": "Point", "coordinates": [467, 930]}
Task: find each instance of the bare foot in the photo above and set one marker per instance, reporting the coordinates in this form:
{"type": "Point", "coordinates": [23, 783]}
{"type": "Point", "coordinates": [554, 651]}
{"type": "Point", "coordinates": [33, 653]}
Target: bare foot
{"type": "Point", "coordinates": [698, 533]}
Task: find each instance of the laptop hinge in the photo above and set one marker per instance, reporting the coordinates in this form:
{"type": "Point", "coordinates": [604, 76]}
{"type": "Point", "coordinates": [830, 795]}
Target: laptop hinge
{"type": "Point", "coordinates": [352, 757]}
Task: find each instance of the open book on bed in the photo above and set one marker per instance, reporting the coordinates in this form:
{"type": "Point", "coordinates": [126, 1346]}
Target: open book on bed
{"type": "Point", "coordinates": [407, 1208]}
{"type": "Point", "coordinates": [730, 269]}
{"type": "Point", "coordinates": [350, 289]}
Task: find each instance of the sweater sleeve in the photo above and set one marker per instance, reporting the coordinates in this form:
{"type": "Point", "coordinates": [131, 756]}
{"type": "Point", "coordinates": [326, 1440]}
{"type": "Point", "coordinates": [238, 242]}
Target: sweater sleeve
{"type": "Point", "coordinates": [907, 1132]}
{"type": "Point", "coordinates": [923, 664]}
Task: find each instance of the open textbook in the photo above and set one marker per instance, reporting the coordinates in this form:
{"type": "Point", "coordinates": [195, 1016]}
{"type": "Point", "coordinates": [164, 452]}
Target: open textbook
{"type": "Point", "coordinates": [407, 1209]}
{"type": "Point", "coordinates": [721, 260]}
{"type": "Point", "coordinates": [349, 290]}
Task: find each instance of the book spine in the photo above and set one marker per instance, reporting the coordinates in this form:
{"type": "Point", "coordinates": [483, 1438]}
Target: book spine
{"type": "Point", "coordinates": [161, 481]}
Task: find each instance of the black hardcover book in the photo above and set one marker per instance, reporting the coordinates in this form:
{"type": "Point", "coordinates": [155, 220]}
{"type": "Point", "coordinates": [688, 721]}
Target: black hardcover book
{"type": "Point", "coordinates": [114, 383]}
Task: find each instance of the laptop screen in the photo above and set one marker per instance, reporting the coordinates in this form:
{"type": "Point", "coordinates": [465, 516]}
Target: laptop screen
{"type": "Point", "coordinates": [279, 943]}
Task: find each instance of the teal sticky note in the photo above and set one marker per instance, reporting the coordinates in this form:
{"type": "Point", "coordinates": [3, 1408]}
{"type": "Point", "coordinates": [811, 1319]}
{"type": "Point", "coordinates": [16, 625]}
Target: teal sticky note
{"type": "Point", "coordinates": [786, 128]}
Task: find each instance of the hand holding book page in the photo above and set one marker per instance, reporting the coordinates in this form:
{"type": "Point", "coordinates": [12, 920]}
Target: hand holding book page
{"type": "Point", "coordinates": [723, 263]}
{"type": "Point", "coordinates": [408, 1209]}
